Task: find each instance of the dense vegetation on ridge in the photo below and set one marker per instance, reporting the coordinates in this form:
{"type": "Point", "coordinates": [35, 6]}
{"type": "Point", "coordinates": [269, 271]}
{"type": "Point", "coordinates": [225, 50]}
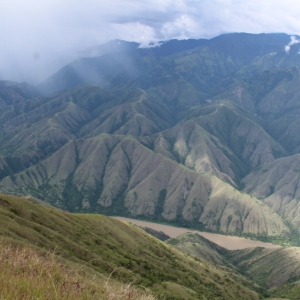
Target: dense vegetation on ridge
{"type": "Point", "coordinates": [204, 134]}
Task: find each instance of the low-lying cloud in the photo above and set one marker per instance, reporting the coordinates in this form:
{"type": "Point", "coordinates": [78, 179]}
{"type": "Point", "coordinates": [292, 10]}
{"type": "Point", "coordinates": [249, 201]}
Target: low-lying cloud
{"type": "Point", "coordinates": [293, 41]}
{"type": "Point", "coordinates": [38, 37]}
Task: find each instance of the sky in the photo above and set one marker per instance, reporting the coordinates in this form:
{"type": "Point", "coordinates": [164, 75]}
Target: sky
{"type": "Point", "coordinates": [40, 36]}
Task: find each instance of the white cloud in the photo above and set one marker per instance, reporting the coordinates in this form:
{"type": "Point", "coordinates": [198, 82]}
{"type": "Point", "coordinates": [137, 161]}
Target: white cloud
{"type": "Point", "coordinates": [183, 27]}
{"type": "Point", "coordinates": [135, 31]}
{"type": "Point", "coordinates": [293, 41]}
{"type": "Point", "coordinates": [57, 29]}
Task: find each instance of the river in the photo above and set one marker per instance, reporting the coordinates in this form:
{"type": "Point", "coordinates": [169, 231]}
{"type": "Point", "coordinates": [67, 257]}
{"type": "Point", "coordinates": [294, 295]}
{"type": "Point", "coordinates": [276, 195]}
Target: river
{"type": "Point", "coordinates": [226, 241]}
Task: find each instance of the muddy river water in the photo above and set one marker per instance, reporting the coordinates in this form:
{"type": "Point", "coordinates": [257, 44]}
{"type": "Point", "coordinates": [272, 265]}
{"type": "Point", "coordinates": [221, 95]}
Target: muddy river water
{"type": "Point", "coordinates": [229, 242]}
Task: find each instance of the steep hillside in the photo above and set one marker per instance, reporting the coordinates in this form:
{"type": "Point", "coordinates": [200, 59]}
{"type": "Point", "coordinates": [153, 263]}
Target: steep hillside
{"type": "Point", "coordinates": [135, 113]}
{"type": "Point", "coordinates": [36, 128]}
{"type": "Point", "coordinates": [277, 184]}
{"type": "Point", "coordinates": [27, 273]}
{"type": "Point", "coordinates": [112, 247]}
{"type": "Point", "coordinates": [240, 132]}
{"type": "Point", "coordinates": [42, 124]}
{"type": "Point", "coordinates": [198, 246]}
{"type": "Point", "coordinates": [107, 70]}
{"type": "Point", "coordinates": [279, 58]}
{"type": "Point", "coordinates": [288, 291]}
{"type": "Point", "coordinates": [167, 133]}
{"type": "Point", "coordinates": [131, 180]}
{"type": "Point", "coordinates": [192, 146]}
{"type": "Point", "coordinates": [268, 267]}
{"type": "Point", "coordinates": [272, 95]}
{"type": "Point", "coordinates": [277, 270]}
{"type": "Point", "coordinates": [202, 67]}
{"type": "Point", "coordinates": [219, 139]}
{"type": "Point", "coordinates": [13, 92]}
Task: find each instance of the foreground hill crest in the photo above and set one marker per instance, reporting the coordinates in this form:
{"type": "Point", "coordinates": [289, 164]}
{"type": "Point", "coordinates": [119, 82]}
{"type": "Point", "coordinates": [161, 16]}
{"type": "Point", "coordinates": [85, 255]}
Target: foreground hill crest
{"type": "Point", "coordinates": [101, 248]}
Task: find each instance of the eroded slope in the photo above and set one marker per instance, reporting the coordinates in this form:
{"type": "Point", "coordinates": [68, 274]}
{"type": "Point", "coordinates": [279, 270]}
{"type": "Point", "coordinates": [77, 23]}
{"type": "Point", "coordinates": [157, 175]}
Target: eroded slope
{"type": "Point", "coordinates": [118, 175]}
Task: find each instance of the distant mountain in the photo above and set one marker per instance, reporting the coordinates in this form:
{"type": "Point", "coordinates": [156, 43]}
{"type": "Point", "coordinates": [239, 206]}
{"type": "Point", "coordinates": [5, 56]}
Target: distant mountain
{"type": "Point", "coordinates": [110, 47]}
{"type": "Point", "coordinates": [13, 92]}
{"type": "Point", "coordinates": [227, 53]}
{"type": "Point", "coordinates": [197, 133]}
{"type": "Point", "coordinates": [277, 184]}
{"type": "Point", "coordinates": [117, 175]}
{"type": "Point", "coordinates": [163, 48]}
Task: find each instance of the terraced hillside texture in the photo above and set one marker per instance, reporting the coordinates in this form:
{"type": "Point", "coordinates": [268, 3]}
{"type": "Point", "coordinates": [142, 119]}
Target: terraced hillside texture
{"type": "Point", "coordinates": [202, 135]}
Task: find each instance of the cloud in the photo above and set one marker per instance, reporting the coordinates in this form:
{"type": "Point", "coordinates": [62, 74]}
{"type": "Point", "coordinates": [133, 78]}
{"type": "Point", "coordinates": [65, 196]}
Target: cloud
{"type": "Point", "coordinates": [293, 41]}
{"type": "Point", "coordinates": [54, 31]}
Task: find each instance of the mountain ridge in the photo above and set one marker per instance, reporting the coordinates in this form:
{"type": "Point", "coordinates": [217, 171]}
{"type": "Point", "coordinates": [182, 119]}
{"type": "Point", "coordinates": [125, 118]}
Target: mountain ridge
{"type": "Point", "coordinates": [172, 137]}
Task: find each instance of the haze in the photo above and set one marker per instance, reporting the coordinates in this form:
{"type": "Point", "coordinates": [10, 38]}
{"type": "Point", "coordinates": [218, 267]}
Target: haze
{"type": "Point", "coordinates": [39, 37]}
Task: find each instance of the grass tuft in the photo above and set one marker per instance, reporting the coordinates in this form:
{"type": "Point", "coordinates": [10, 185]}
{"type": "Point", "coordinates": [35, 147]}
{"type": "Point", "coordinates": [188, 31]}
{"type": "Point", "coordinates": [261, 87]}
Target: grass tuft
{"type": "Point", "coordinates": [26, 273]}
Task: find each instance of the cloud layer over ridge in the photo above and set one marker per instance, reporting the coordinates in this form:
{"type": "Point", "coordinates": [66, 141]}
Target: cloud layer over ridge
{"type": "Point", "coordinates": [38, 37]}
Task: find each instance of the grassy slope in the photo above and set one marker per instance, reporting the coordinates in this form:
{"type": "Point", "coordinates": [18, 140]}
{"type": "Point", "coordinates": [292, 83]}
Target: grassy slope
{"type": "Point", "coordinates": [277, 183]}
{"type": "Point", "coordinates": [198, 246]}
{"type": "Point", "coordinates": [36, 128]}
{"type": "Point", "coordinates": [241, 132]}
{"type": "Point", "coordinates": [189, 144]}
{"type": "Point", "coordinates": [290, 291]}
{"type": "Point", "coordinates": [108, 245]}
{"type": "Point", "coordinates": [277, 270]}
{"type": "Point", "coordinates": [268, 267]}
{"type": "Point", "coordinates": [29, 273]}
{"type": "Point", "coordinates": [273, 96]}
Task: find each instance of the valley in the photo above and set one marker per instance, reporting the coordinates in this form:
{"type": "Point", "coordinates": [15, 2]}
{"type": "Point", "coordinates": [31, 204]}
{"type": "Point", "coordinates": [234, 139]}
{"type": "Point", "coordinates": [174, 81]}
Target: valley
{"type": "Point", "coordinates": [106, 251]}
{"type": "Point", "coordinates": [200, 136]}
{"type": "Point", "coordinates": [226, 241]}
{"type": "Point", "coordinates": [192, 138]}
{"type": "Point", "coordinates": [93, 255]}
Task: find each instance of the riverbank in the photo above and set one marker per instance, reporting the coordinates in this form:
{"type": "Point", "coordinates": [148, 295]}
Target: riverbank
{"type": "Point", "coordinates": [226, 241]}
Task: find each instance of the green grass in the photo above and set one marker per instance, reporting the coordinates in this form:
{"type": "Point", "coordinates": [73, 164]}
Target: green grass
{"type": "Point", "coordinates": [107, 246]}
{"type": "Point", "coordinates": [289, 291]}
{"type": "Point", "coordinates": [274, 271]}
{"type": "Point", "coordinates": [29, 273]}
{"type": "Point", "coordinates": [269, 268]}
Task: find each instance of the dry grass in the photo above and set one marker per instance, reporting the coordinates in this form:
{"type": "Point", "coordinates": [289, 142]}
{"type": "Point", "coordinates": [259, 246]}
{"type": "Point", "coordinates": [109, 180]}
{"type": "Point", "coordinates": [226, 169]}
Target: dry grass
{"type": "Point", "coordinates": [99, 246]}
{"type": "Point", "coordinates": [26, 273]}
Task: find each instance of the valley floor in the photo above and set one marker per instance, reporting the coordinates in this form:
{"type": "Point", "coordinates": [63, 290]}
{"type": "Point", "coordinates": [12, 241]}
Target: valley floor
{"type": "Point", "coordinates": [229, 242]}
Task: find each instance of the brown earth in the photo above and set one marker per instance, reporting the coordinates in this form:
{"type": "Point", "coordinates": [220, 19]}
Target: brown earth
{"type": "Point", "coordinates": [229, 242]}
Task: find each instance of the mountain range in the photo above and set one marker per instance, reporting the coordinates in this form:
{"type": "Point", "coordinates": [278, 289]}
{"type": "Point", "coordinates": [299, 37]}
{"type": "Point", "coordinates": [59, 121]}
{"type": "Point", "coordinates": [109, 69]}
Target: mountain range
{"type": "Point", "coordinates": [198, 133]}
